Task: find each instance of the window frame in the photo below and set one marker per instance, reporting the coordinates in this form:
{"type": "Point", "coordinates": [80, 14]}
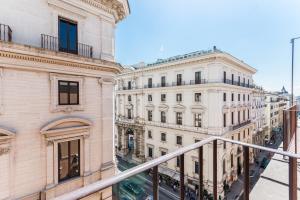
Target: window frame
{"type": "Point", "coordinates": [197, 96]}
{"type": "Point", "coordinates": [69, 22]}
{"type": "Point", "coordinates": [68, 92]}
{"type": "Point", "coordinates": [198, 120]}
{"type": "Point", "coordinates": [179, 118]}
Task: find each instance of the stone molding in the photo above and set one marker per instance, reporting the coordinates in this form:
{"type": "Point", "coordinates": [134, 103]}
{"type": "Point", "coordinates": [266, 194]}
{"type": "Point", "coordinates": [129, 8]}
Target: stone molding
{"type": "Point", "coordinates": [1, 92]}
{"type": "Point", "coordinates": [37, 55]}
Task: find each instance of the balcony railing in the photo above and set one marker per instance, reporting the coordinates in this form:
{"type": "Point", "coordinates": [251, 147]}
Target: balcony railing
{"type": "Point", "coordinates": [153, 164]}
{"type": "Point", "coordinates": [234, 127]}
{"type": "Point", "coordinates": [5, 33]}
{"type": "Point", "coordinates": [52, 43]}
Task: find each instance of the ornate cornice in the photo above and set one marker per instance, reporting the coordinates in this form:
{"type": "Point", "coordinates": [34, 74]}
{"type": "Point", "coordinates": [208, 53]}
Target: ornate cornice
{"type": "Point", "coordinates": [114, 7]}
{"type": "Point", "coordinates": [32, 54]}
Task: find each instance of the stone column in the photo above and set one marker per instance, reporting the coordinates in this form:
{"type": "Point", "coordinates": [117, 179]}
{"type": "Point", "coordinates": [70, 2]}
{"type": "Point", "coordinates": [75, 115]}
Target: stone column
{"type": "Point", "coordinates": [107, 104]}
{"type": "Point", "coordinates": [87, 155]}
{"type": "Point", "coordinates": [142, 145]}
{"type": "Point", "coordinates": [50, 164]}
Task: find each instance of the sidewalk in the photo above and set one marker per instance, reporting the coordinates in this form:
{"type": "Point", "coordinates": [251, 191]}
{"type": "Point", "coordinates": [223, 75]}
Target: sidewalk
{"type": "Point", "coordinates": [273, 183]}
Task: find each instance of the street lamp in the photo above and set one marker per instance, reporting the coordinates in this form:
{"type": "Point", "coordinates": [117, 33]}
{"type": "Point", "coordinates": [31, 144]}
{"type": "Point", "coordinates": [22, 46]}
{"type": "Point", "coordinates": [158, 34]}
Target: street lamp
{"type": "Point", "coordinates": [292, 89]}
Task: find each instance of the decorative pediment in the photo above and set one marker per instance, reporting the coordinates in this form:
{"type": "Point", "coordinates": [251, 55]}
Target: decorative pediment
{"type": "Point", "coordinates": [197, 109]}
{"type": "Point", "coordinates": [6, 135]}
{"type": "Point", "coordinates": [163, 107]}
{"type": "Point", "coordinates": [150, 107]}
{"type": "Point", "coordinates": [179, 108]}
{"type": "Point", "coordinates": [66, 127]}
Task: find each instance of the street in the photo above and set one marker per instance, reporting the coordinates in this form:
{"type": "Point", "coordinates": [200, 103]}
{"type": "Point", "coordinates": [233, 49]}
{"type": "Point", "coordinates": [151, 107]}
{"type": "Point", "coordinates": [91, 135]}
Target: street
{"type": "Point", "coordinates": [145, 181]}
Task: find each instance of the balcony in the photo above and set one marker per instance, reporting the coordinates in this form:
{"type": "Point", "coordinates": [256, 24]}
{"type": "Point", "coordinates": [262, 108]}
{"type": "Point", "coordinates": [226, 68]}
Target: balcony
{"type": "Point", "coordinates": [52, 43]}
{"type": "Point", "coordinates": [240, 125]}
{"type": "Point", "coordinates": [214, 142]}
{"type": "Point", "coordinates": [5, 33]}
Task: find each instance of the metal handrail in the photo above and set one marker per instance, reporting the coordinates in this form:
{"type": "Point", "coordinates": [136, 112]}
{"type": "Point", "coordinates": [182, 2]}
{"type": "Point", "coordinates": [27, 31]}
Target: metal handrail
{"type": "Point", "coordinates": [105, 183]}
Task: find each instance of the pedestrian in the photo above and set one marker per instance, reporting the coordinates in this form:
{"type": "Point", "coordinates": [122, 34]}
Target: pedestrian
{"type": "Point", "coordinates": [174, 187]}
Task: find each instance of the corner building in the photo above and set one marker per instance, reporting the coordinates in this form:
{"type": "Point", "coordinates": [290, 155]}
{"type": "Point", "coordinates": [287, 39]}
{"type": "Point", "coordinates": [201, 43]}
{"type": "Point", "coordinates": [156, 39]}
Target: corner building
{"type": "Point", "coordinates": [178, 101]}
{"type": "Point", "coordinates": [57, 81]}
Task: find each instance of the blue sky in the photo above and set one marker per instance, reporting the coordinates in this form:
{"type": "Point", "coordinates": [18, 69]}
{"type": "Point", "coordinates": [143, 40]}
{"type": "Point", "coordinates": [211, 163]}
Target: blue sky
{"type": "Point", "coordinates": [255, 31]}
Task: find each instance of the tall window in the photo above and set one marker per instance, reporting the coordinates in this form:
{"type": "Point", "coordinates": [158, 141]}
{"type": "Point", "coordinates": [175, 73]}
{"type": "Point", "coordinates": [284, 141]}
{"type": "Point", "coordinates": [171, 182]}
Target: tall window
{"type": "Point", "coordinates": [224, 119]}
{"type": "Point", "coordinates": [232, 118]}
{"type": "Point", "coordinates": [149, 97]}
{"type": "Point", "coordinates": [129, 97]}
{"type": "Point", "coordinates": [179, 118]}
{"type": "Point", "coordinates": [163, 137]}
{"type": "Point", "coordinates": [197, 97]}
{"type": "Point", "coordinates": [248, 97]}
{"type": "Point", "coordinates": [177, 161]}
{"type": "Point", "coordinates": [163, 116]}
{"type": "Point", "coordinates": [244, 97]}
{"type": "Point", "coordinates": [178, 97]}
{"type": "Point", "coordinates": [179, 140]}
{"type": "Point", "coordinates": [149, 82]}
{"type": "Point", "coordinates": [232, 79]}
{"type": "Point", "coordinates": [68, 159]}
{"type": "Point", "coordinates": [239, 80]}
{"type": "Point", "coordinates": [244, 115]}
{"type": "Point", "coordinates": [149, 134]}
{"type": "Point", "coordinates": [68, 93]}
{"type": "Point", "coordinates": [232, 96]}
{"type": "Point", "coordinates": [163, 97]}
{"type": "Point", "coordinates": [239, 117]}
{"type": "Point", "coordinates": [244, 81]}
{"type": "Point", "coordinates": [231, 160]}
{"type": "Point", "coordinates": [163, 81]}
{"type": "Point", "coordinates": [67, 36]}
{"type": "Point", "coordinates": [129, 115]}
{"type": "Point", "coordinates": [197, 77]}
{"type": "Point", "coordinates": [248, 114]}
{"type": "Point", "coordinates": [150, 152]}
{"type": "Point", "coordinates": [239, 97]}
{"type": "Point", "coordinates": [198, 120]}
{"type": "Point", "coordinates": [224, 77]}
{"type": "Point", "coordinates": [224, 97]}
{"type": "Point", "coordinates": [248, 83]}
{"type": "Point", "coordinates": [179, 79]}
{"type": "Point", "coordinates": [149, 115]}
{"type": "Point", "coordinates": [224, 166]}
{"type": "Point", "coordinates": [196, 167]}
{"type": "Point", "coordinates": [129, 85]}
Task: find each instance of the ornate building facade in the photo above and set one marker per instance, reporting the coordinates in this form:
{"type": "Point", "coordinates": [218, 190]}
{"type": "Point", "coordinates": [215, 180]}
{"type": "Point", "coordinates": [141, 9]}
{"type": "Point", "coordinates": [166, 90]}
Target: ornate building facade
{"type": "Point", "coordinates": [57, 74]}
{"type": "Point", "coordinates": [178, 101]}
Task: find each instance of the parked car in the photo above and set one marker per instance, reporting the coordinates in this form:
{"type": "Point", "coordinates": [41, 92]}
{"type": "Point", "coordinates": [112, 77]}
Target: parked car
{"type": "Point", "coordinates": [264, 163]}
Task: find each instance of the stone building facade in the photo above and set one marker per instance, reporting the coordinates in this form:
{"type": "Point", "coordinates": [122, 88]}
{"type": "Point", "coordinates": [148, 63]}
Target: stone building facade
{"type": "Point", "coordinates": [57, 82]}
{"type": "Point", "coordinates": [178, 101]}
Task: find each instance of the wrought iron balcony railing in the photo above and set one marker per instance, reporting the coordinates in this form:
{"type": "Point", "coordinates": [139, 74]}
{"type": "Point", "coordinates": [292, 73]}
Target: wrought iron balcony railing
{"type": "Point", "coordinates": [52, 43]}
{"type": "Point", "coordinates": [153, 164]}
{"type": "Point", "coordinates": [5, 33]}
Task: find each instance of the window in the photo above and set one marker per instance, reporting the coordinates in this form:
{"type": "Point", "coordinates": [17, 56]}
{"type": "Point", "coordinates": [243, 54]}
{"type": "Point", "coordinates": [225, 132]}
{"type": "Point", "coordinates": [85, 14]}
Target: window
{"type": "Point", "coordinates": [197, 97]}
{"type": "Point", "coordinates": [231, 160]}
{"type": "Point", "coordinates": [163, 81]}
{"type": "Point", "coordinates": [248, 113]}
{"type": "Point", "coordinates": [149, 82]}
{"type": "Point", "coordinates": [244, 81]}
{"type": "Point", "coordinates": [149, 115]}
{"type": "Point", "coordinates": [163, 97]}
{"type": "Point", "coordinates": [68, 159]}
{"type": "Point", "coordinates": [198, 120]}
{"type": "Point", "coordinates": [196, 140]}
{"type": "Point", "coordinates": [129, 115]}
{"type": "Point", "coordinates": [197, 77]}
{"type": "Point", "coordinates": [149, 97]}
{"type": "Point", "coordinates": [179, 79]}
{"type": "Point", "coordinates": [244, 115]}
{"type": "Point", "coordinates": [129, 85]}
{"type": "Point", "coordinates": [224, 77]}
{"type": "Point", "coordinates": [244, 98]}
{"type": "Point", "coordinates": [196, 167]}
{"type": "Point", "coordinates": [163, 137]}
{"type": "Point", "coordinates": [244, 134]}
{"type": "Point", "coordinates": [67, 36]}
{"type": "Point", "coordinates": [129, 97]}
{"type": "Point", "coordinates": [239, 136]}
{"type": "Point", "coordinates": [163, 153]}
{"type": "Point", "coordinates": [178, 97]}
{"type": "Point", "coordinates": [177, 161]}
{"type": "Point", "coordinates": [232, 79]}
{"type": "Point", "coordinates": [232, 118]}
{"type": "Point", "coordinates": [224, 97]}
{"type": "Point", "coordinates": [248, 97]}
{"type": "Point", "coordinates": [239, 80]}
{"type": "Point", "coordinates": [150, 152]}
{"type": "Point", "coordinates": [150, 134]}
{"type": "Point", "coordinates": [224, 119]}
{"type": "Point", "coordinates": [179, 140]}
{"type": "Point", "coordinates": [248, 83]}
{"type": "Point", "coordinates": [232, 97]}
{"type": "Point", "coordinates": [239, 97]}
{"type": "Point", "coordinates": [179, 118]}
{"type": "Point", "coordinates": [163, 116]}
{"type": "Point", "coordinates": [239, 117]}
{"type": "Point", "coordinates": [68, 93]}
{"type": "Point", "coordinates": [224, 167]}
{"type": "Point", "coordinates": [224, 145]}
